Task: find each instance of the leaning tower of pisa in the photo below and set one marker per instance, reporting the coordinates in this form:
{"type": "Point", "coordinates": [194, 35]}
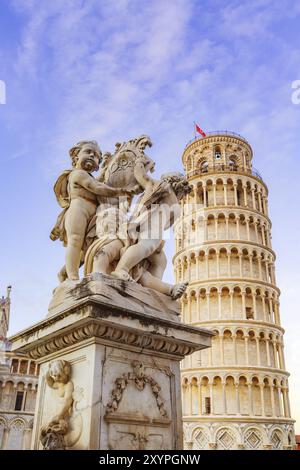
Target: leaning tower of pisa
{"type": "Point", "coordinates": [235, 394]}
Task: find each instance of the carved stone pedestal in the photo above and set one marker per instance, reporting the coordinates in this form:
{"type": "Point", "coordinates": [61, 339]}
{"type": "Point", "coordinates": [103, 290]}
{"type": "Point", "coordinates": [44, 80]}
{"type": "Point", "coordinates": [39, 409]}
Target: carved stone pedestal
{"type": "Point", "coordinates": [120, 345]}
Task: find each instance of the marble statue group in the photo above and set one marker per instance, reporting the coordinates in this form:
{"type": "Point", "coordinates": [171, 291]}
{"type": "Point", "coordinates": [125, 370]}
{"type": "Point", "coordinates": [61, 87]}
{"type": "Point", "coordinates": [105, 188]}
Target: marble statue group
{"type": "Point", "coordinates": [108, 230]}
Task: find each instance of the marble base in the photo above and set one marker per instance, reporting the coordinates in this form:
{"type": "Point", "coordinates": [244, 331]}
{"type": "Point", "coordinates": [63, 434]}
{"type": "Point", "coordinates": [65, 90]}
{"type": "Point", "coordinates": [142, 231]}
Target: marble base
{"type": "Point", "coordinates": [124, 344]}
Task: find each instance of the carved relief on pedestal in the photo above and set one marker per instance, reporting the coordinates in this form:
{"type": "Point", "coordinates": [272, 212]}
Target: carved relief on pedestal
{"type": "Point", "coordinates": [131, 428]}
{"type": "Point", "coordinates": [64, 427]}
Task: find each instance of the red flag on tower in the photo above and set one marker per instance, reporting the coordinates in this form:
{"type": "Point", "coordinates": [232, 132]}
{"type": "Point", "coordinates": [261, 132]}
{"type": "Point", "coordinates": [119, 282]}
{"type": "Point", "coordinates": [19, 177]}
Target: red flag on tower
{"type": "Point", "coordinates": [199, 130]}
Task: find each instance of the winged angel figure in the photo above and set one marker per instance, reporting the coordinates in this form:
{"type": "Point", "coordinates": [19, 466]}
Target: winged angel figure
{"type": "Point", "coordinates": [100, 232]}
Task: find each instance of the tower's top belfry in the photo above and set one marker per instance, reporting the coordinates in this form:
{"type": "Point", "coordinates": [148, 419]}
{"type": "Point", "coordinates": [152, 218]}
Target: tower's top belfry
{"type": "Point", "coordinates": [218, 151]}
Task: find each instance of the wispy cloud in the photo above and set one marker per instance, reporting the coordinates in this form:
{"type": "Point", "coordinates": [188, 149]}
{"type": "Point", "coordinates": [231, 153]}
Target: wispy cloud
{"type": "Point", "coordinates": [109, 70]}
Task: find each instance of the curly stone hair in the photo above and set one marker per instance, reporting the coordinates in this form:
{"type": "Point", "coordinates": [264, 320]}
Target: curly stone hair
{"type": "Point", "coordinates": [74, 151]}
{"type": "Point", "coordinates": [178, 182]}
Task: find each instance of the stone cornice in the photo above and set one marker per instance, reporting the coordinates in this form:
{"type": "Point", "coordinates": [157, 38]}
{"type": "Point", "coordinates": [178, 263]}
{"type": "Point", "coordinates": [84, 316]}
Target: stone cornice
{"type": "Point", "coordinates": [245, 420]}
{"type": "Point", "coordinates": [231, 209]}
{"type": "Point", "coordinates": [228, 174]}
{"type": "Point", "coordinates": [234, 282]}
{"type": "Point", "coordinates": [239, 323]}
{"type": "Point", "coordinates": [235, 370]}
{"type": "Point", "coordinates": [90, 320]}
{"type": "Point", "coordinates": [212, 243]}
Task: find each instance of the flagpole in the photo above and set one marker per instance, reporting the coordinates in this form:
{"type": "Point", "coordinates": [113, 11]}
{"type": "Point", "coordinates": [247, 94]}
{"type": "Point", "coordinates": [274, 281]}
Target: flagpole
{"type": "Point", "coordinates": [194, 122]}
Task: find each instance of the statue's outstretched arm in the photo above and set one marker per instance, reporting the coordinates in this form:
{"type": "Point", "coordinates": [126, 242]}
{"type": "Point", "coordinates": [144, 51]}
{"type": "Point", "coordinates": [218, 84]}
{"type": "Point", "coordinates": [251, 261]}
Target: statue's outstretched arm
{"type": "Point", "coordinates": [101, 189]}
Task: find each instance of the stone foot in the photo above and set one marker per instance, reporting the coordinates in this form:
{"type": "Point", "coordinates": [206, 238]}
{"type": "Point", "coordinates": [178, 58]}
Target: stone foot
{"type": "Point", "coordinates": [122, 274]}
{"type": "Point", "coordinates": [178, 290]}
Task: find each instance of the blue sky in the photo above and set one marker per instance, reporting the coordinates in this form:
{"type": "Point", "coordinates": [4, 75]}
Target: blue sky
{"type": "Point", "coordinates": [109, 71]}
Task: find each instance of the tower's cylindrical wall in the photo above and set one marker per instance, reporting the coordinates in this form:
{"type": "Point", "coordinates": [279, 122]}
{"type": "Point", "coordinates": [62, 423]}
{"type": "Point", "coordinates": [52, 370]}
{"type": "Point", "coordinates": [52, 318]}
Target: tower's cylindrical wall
{"type": "Point", "coordinates": [235, 394]}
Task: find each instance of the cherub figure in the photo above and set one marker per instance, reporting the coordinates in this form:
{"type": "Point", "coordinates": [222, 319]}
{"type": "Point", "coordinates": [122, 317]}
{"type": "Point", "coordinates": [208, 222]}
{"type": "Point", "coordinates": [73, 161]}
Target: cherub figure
{"type": "Point", "coordinates": [112, 237]}
{"type": "Point", "coordinates": [58, 377]}
{"type": "Point", "coordinates": [156, 211]}
{"type": "Point", "coordinates": [77, 191]}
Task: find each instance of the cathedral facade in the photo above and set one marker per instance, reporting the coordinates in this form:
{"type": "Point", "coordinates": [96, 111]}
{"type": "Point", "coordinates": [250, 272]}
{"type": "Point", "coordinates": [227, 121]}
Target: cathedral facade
{"type": "Point", "coordinates": [18, 388]}
{"type": "Point", "coordinates": [235, 394]}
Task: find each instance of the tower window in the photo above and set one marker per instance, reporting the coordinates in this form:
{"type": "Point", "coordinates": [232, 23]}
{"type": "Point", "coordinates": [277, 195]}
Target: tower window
{"type": "Point", "coordinates": [207, 406]}
{"type": "Point", "coordinates": [204, 167]}
{"type": "Point", "coordinates": [218, 153]}
{"type": "Point", "coordinates": [14, 366]}
{"type": "Point", "coordinates": [249, 313]}
{"type": "Point", "coordinates": [19, 401]}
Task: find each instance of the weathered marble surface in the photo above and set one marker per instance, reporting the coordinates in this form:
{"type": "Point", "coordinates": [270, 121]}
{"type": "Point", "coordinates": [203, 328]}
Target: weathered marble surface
{"type": "Point", "coordinates": [124, 354]}
{"type": "Point", "coordinates": [106, 290]}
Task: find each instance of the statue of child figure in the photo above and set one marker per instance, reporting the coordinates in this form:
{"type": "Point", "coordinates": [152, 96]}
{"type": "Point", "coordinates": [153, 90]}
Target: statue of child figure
{"type": "Point", "coordinates": [78, 193]}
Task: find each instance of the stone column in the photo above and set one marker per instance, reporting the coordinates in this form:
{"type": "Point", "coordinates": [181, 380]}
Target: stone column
{"type": "Point", "coordinates": [268, 352]}
{"type": "Point", "coordinates": [224, 397]}
{"type": "Point", "coordinates": [243, 304]}
{"type": "Point", "coordinates": [218, 264]}
{"type": "Point", "coordinates": [240, 263]}
{"type": "Point", "coordinates": [237, 398]}
{"type": "Point", "coordinates": [231, 304]}
{"type": "Point", "coordinates": [279, 400]}
{"type": "Point", "coordinates": [5, 438]}
{"type": "Point", "coordinates": [235, 194]}
{"type": "Point", "coordinates": [229, 264]}
{"type": "Point", "coordinates": [247, 350]}
{"type": "Point", "coordinates": [253, 198]}
{"type": "Point", "coordinates": [198, 307]}
{"type": "Point", "coordinates": [245, 196]}
{"type": "Point", "coordinates": [225, 194]}
{"type": "Point", "coordinates": [234, 348]}
{"type": "Point", "coordinates": [257, 351]}
{"type": "Point", "coordinates": [227, 226]}
{"type": "Point", "coordinates": [262, 399]}
{"type": "Point", "coordinates": [219, 304]}
{"type": "Point", "coordinates": [259, 267]}
{"type": "Point", "coordinates": [281, 347]}
{"type": "Point", "coordinates": [264, 307]}
{"type": "Point", "coordinates": [248, 228]}
{"type": "Point", "coordinates": [197, 266]}
{"type": "Point", "coordinates": [221, 349]}
{"type": "Point", "coordinates": [256, 231]}
{"type": "Point", "coordinates": [190, 399]}
{"type": "Point", "coordinates": [27, 438]}
{"type": "Point", "coordinates": [208, 303]}
{"type": "Point", "coordinates": [206, 265]}
{"type": "Point", "coordinates": [288, 403]}
{"type": "Point", "coordinates": [263, 235]}
{"type": "Point", "coordinates": [270, 310]}
{"type": "Point", "coordinates": [238, 227]}
{"type": "Point", "coordinates": [272, 399]}
{"type": "Point", "coordinates": [250, 397]}
{"type": "Point", "coordinates": [214, 194]}
{"type": "Point", "coordinates": [199, 398]}
{"type": "Point", "coordinates": [210, 389]}
{"type": "Point", "coordinates": [275, 354]}
{"type": "Point", "coordinates": [204, 196]}
{"type": "Point", "coordinates": [216, 228]}
{"type": "Point", "coordinates": [254, 305]}
{"type": "Point", "coordinates": [276, 311]}
{"type": "Point", "coordinates": [260, 202]}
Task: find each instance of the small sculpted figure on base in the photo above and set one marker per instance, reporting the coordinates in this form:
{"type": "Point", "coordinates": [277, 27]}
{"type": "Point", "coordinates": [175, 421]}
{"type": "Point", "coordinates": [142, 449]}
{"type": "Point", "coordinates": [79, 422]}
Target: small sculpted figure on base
{"type": "Point", "coordinates": [58, 377]}
{"type": "Point", "coordinates": [96, 226]}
